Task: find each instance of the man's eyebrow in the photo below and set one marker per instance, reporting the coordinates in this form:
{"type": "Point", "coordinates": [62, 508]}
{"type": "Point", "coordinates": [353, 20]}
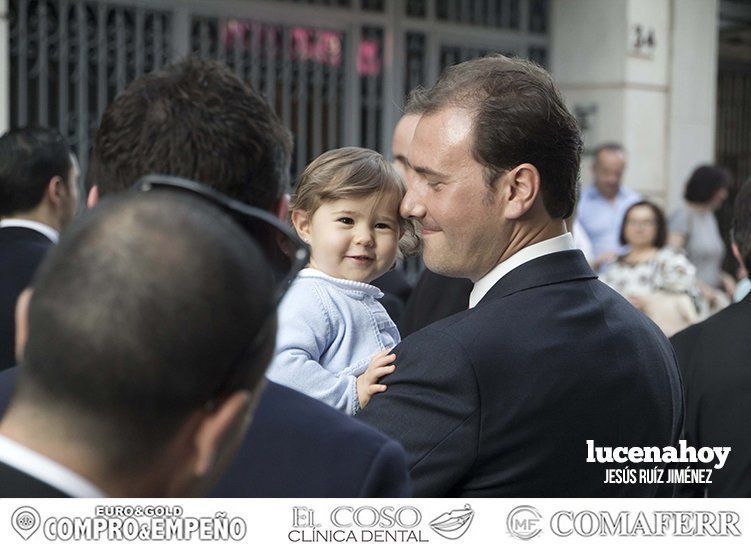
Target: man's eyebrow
{"type": "Point", "coordinates": [425, 171]}
{"type": "Point", "coordinates": [402, 159]}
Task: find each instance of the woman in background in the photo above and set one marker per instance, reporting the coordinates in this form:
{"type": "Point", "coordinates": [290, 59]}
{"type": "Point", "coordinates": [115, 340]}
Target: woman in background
{"type": "Point", "coordinates": [694, 229]}
{"type": "Point", "coordinates": [654, 278]}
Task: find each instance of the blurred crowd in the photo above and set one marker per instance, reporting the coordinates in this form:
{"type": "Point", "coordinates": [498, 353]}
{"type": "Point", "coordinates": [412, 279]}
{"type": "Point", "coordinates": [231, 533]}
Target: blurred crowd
{"type": "Point", "coordinates": [670, 268]}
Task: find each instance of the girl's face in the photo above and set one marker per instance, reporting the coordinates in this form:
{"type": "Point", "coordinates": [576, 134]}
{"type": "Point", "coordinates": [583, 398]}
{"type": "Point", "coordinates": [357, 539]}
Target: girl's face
{"type": "Point", "coordinates": [352, 238]}
{"type": "Point", "coordinates": [641, 227]}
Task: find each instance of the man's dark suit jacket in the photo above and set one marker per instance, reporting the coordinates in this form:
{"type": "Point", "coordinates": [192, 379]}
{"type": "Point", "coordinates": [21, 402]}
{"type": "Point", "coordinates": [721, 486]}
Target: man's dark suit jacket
{"type": "Point", "coordinates": [715, 360]}
{"type": "Point", "coordinates": [21, 252]}
{"type": "Point", "coordinates": [433, 298]}
{"type": "Point", "coordinates": [300, 447]}
{"type": "Point", "coordinates": [500, 400]}
{"type": "Point", "coordinates": [17, 484]}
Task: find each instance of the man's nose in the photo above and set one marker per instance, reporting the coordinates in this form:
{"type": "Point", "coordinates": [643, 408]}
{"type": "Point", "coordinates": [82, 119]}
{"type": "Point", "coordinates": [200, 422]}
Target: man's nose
{"type": "Point", "coordinates": [411, 206]}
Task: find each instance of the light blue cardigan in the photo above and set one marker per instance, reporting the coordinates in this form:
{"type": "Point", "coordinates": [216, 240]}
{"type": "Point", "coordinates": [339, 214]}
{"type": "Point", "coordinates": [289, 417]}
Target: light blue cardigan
{"type": "Point", "coordinates": [329, 330]}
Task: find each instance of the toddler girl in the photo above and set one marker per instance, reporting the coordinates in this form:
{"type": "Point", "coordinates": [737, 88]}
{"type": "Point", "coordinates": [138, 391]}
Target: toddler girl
{"type": "Point", "coordinates": [334, 335]}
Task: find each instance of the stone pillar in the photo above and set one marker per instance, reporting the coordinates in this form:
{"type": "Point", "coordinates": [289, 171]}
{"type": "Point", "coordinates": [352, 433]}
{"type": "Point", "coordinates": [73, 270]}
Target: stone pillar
{"type": "Point", "coordinates": [693, 96]}
{"type": "Point", "coordinates": [641, 73]}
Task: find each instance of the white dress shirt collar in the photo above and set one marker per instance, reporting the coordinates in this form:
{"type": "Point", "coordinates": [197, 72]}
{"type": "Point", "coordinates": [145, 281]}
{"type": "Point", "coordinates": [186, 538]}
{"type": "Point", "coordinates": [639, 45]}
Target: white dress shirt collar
{"type": "Point", "coordinates": [41, 228]}
{"type": "Point", "coordinates": [552, 245]}
{"type": "Point", "coordinates": [40, 467]}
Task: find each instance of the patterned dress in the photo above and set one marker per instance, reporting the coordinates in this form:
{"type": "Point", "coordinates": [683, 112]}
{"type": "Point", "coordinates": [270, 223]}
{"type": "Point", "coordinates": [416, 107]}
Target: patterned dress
{"type": "Point", "coordinates": [667, 272]}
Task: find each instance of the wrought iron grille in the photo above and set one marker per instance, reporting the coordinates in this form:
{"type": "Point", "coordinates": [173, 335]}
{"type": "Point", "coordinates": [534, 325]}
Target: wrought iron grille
{"type": "Point", "coordinates": [733, 145]}
{"type": "Point", "coordinates": [336, 71]}
{"type": "Point", "coordinates": [69, 58]}
{"type": "Point", "coordinates": [492, 13]}
{"type": "Point", "coordinates": [298, 69]}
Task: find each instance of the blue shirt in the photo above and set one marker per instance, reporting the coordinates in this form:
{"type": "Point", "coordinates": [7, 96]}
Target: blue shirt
{"type": "Point", "coordinates": [601, 218]}
{"type": "Point", "coordinates": [329, 330]}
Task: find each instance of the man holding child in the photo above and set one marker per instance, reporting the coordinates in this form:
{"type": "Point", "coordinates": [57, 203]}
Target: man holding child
{"type": "Point", "coordinates": [500, 399]}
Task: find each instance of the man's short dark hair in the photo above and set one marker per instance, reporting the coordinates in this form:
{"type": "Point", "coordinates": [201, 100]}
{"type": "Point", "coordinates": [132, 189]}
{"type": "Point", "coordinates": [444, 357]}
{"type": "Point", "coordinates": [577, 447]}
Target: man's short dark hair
{"type": "Point", "coordinates": [742, 223]}
{"type": "Point", "coordinates": [197, 120]}
{"type": "Point", "coordinates": [141, 317]}
{"type": "Point", "coordinates": [704, 183]}
{"type": "Point", "coordinates": [29, 158]}
{"type": "Point", "coordinates": [519, 116]}
{"type": "Point", "coordinates": [612, 147]}
{"type": "Point", "coordinates": [661, 235]}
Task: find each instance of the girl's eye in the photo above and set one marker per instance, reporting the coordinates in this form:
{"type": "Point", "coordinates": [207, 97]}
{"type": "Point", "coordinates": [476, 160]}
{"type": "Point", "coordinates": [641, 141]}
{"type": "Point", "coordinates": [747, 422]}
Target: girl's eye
{"type": "Point", "coordinates": [382, 226]}
{"type": "Point", "coordinates": [346, 220]}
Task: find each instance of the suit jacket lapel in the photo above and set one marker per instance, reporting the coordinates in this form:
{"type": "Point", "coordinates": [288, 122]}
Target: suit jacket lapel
{"type": "Point", "coordinates": [553, 268]}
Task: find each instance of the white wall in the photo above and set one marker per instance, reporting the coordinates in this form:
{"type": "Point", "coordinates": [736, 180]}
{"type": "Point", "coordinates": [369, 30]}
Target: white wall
{"type": "Point", "coordinates": [693, 98]}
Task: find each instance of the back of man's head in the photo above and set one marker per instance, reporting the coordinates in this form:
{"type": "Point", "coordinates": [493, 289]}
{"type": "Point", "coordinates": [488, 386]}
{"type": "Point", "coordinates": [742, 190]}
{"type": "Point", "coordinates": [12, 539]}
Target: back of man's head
{"type": "Point", "coordinates": [140, 318]}
{"type": "Point", "coordinates": [197, 120]}
{"type": "Point", "coordinates": [29, 159]}
{"type": "Point", "coordinates": [519, 117]}
{"type": "Point", "coordinates": [742, 223]}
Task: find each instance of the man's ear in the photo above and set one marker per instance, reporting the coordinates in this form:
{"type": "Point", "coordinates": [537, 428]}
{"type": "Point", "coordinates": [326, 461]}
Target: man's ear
{"type": "Point", "coordinates": [56, 190]}
{"type": "Point", "coordinates": [218, 429]}
{"type": "Point", "coordinates": [92, 199]}
{"type": "Point", "coordinates": [301, 222]}
{"type": "Point", "coordinates": [522, 185]}
{"type": "Point", "coordinates": [281, 210]}
{"type": "Point", "coordinates": [22, 322]}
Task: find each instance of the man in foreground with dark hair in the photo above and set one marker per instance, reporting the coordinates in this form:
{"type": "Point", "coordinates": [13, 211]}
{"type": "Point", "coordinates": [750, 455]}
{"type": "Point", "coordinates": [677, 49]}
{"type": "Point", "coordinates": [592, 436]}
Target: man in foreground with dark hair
{"type": "Point", "coordinates": [714, 358]}
{"type": "Point", "coordinates": [500, 399]}
{"type": "Point", "coordinates": [125, 389]}
{"type": "Point", "coordinates": [196, 119]}
{"type": "Point", "coordinates": [38, 198]}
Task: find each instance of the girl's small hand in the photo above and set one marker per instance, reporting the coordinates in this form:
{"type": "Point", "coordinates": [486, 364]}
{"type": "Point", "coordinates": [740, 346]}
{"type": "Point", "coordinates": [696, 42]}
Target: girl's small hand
{"type": "Point", "coordinates": [367, 383]}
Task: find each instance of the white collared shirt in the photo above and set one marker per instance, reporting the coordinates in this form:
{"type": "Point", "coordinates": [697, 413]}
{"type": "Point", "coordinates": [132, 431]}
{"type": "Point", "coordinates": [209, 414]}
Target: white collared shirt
{"type": "Point", "coordinates": [41, 228]}
{"type": "Point", "coordinates": [552, 245]}
{"type": "Point", "coordinates": [40, 467]}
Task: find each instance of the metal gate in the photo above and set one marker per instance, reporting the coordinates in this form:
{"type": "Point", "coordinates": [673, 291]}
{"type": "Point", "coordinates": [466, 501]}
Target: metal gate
{"type": "Point", "coordinates": [733, 144]}
{"type": "Point", "coordinates": [336, 71]}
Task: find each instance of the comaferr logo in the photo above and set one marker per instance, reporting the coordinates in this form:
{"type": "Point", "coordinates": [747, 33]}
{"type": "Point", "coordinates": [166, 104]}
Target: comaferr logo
{"type": "Point", "coordinates": [524, 522]}
{"type": "Point", "coordinates": [640, 523]}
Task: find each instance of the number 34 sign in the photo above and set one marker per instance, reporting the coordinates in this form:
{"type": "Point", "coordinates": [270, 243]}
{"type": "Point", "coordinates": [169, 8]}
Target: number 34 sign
{"type": "Point", "coordinates": [641, 41]}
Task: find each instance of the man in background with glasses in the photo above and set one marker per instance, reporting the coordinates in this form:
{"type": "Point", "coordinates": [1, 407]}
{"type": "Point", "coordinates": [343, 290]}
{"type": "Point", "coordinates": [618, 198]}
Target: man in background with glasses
{"type": "Point", "coordinates": [195, 119]}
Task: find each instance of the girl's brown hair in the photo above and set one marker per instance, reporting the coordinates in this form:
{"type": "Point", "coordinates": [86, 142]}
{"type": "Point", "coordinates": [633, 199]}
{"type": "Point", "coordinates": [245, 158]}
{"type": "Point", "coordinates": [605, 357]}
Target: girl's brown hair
{"type": "Point", "coordinates": [353, 172]}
